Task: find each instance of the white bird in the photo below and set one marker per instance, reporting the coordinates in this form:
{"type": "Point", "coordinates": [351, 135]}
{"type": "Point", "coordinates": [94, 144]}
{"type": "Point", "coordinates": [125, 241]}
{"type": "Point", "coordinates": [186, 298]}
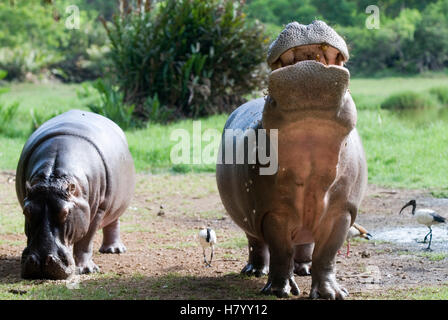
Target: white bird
{"type": "Point", "coordinates": [356, 230]}
{"type": "Point", "coordinates": [207, 238]}
{"type": "Point", "coordinates": [427, 217]}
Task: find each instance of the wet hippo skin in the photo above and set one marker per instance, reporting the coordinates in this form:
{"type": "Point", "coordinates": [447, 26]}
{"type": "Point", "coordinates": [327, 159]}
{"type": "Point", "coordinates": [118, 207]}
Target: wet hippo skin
{"type": "Point", "coordinates": [75, 176]}
{"type": "Point", "coordinates": [297, 219]}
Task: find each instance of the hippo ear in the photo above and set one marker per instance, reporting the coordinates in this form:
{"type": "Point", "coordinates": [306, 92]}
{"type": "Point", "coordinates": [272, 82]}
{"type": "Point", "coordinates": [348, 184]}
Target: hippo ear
{"type": "Point", "coordinates": [73, 190]}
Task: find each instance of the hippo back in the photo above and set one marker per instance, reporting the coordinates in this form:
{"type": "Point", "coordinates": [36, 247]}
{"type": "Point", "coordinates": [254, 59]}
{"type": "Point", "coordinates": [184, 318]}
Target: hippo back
{"type": "Point", "coordinates": [103, 134]}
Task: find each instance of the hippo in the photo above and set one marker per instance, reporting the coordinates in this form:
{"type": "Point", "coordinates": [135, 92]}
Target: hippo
{"type": "Point", "coordinates": [75, 175]}
{"type": "Point", "coordinates": [297, 217]}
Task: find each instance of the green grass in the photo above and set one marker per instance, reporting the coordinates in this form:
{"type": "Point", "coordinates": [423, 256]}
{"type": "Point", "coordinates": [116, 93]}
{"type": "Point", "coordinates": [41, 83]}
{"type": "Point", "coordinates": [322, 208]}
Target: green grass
{"type": "Point", "coordinates": [237, 242]}
{"type": "Point", "coordinates": [402, 150]}
{"type": "Point", "coordinates": [421, 293]}
{"type": "Point", "coordinates": [136, 287]}
{"type": "Point", "coordinates": [369, 93]}
{"type": "Point", "coordinates": [399, 154]}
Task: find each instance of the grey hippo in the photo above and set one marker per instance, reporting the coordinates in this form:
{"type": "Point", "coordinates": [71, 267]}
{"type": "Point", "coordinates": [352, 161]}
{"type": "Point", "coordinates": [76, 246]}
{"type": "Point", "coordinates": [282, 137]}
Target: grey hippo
{"type": "Point", "coordinates": [75, 176]}
{"type": "Point", "coordinates": [297, 218]}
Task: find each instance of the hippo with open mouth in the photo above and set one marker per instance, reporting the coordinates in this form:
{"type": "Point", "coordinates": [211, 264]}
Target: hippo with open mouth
{"type": "Point", "coordinates": [300, 214]}
{"type": "Point", "coordinates": [75, 176]}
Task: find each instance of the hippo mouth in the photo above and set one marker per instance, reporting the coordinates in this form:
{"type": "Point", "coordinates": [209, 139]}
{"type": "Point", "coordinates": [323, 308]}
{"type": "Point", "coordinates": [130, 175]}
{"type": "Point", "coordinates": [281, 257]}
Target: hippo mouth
{"type": "Point", "coordinates": [309, 77]}
{"type": "Point", "coordinates": [56, 266]}
{"type": "Point", "coordinates": [321, 53]}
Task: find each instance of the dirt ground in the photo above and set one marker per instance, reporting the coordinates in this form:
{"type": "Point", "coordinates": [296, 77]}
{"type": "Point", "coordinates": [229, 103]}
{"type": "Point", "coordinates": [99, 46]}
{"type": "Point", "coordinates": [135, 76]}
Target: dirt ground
{"type": "Point", "coordinates": [164, 259]}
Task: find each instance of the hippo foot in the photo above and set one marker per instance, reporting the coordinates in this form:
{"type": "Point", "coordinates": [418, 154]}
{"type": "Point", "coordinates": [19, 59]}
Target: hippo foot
{"type": "Point", "coordinates": [282, 291]}
{"type": "Point", "coordinates": [302, 268]}
{"type": "Point", "coordinates": [328, 289]}
{"type": "Point", "coordinates": [89, 267]}
{"type": "Point", "coordinates": [251, 270]}
{"type": "Point", "coordinates": [117, 247]}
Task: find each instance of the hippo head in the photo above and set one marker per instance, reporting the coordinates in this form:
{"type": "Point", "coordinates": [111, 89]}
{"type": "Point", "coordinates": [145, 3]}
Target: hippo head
{"type": "Point", "coordinates": [55, 217]}
{"type": "Point", "coordinates": [308, 72]}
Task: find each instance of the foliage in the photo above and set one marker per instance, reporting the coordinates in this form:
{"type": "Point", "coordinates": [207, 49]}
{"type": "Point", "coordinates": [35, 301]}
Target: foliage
{"type": "Point", "coordinates": [38, 118]}
{"type": "Point", "coordinates": [408, 100]}
{"type": "Point", "coordinates": [7, 112]}
{"type": "Point", "coordinates": [412, 36]}
{"type": "Point", "coordinates": [199, 57]}
{"type": "Point", "coordinates": [430, 49]}
{"type": "Point", "coordinates": [109, 103]}
{"type": "Point", "coordinates": [441, 94]}
{"type": "Point", "coordinates": [35, 40]}
{"type": "Point", "coordinates": [281, 12]}
{"type": "Point", "coordinates": [386, 48]}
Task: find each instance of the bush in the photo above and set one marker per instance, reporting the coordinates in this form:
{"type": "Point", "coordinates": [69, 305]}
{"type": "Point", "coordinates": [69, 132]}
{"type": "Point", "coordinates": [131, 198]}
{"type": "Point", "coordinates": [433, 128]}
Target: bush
{"type": "Point", "coordinates": [373, 52]}
{"type": "Point", "coordinates": [197, 57]}
{"type": "Point", "coordinates": [441, 93]}
{"type": "Point", "coordinates": [108, 102]}
{"type": "Point", "coordinates": [24, 60]}
{"type": "Point", "coordinates": [7, 112]}
{"type": "Point", "coordinates": [408, 100]}
{"type": "Point", "coordinates": [37, 118]}
{"type": "Point", "coordinates": [34, 40]}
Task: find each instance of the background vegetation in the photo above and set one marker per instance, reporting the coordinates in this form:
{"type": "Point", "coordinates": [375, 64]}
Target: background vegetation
{"type": "Point", "coordinates": [149, 62]}
{"type": "Point", "coordinates": [186, 58]}
{"type": "Point", "coordinates": [156, 66]}
{"type": "Point", "coordinates": [412, 36]}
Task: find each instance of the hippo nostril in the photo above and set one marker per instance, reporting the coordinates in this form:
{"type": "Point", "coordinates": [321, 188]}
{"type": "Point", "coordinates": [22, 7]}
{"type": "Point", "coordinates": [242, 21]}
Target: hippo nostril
{"type": "Point", "coordinates": [51, 259]}
{"type": "Point", "coordinates": [55, 269]}
{"type": "Point", "coordinates": [32, 260]}
{"type": "Point", "coordinates": [30, 266]}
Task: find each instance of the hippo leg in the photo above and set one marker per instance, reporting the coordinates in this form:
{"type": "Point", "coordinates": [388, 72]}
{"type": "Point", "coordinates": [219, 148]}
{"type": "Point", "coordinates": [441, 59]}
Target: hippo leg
{"type": "Point", "coordinates": [83, 250]}
{"type": "Point", "coordinates": [258, 264]}
{"type": "Point", "coordinates": [281, 267]}
{"type": "Point", "coordinates": [302, 259]}
{"type": "Point", "coordinates": [329, 239]}
{"type": "Point", "coordinates": [111, 239]}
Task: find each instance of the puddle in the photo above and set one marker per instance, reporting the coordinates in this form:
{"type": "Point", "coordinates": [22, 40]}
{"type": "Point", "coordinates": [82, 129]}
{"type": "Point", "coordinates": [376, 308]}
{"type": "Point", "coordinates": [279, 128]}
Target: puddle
{"type": "Point", "coordinates": [410, 236]}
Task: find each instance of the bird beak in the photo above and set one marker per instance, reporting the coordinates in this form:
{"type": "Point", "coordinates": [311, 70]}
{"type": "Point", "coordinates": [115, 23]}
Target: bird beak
{"type": "Point", "coordinates": [405, 206]}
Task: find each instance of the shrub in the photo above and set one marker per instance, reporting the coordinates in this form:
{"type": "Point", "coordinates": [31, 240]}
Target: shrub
{"type": "Point", "coordinates": [37, 118]}
{"type": "Point", "coordinates": [408, 100]}
{"type": "Point", "coordinates": [441, 93]}
{"type": "Point", "coordinates": [198, 57]}
{"type": "Point", "coordinates": [7, 112]}
{"type": "Point", "coordinates": [34, 39]}
{"type": "Point", "coordinates": [23, 60]}
{"type": "Point", "coordinates": [108, 102]}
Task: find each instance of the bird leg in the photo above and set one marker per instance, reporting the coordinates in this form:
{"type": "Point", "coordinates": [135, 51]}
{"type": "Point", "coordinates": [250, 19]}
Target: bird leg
{"type": "Point", "coordinates": [207, 264]}
{"type": "Point", "coordinates": [211, 258]}
{"type": "Point", "coordinates": [426, 237]}
{"type": "Point", "coordinates": [430, 239]}
{"type": "Point", "coordinates": [348, 249]}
